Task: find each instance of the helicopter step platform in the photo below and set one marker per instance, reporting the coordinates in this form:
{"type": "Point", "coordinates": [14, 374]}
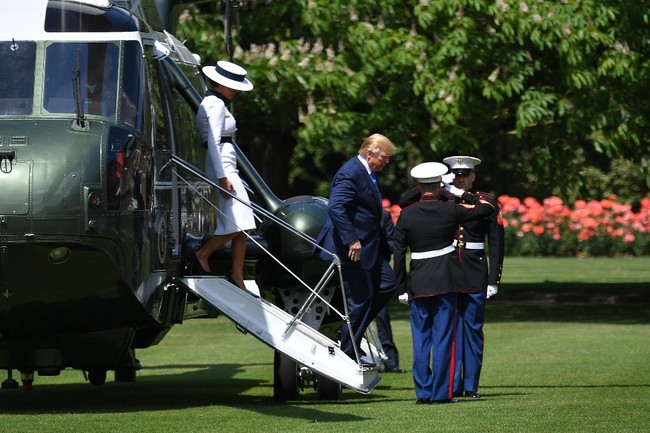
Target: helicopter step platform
{"type": "Point", "coordinates": [279, 330]}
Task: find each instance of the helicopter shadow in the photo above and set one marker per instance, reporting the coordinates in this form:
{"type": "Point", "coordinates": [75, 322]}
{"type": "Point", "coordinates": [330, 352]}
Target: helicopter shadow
{"type": "Point", "coordinates": [205, 385]}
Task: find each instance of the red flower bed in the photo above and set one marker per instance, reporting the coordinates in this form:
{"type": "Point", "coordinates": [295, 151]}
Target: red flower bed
{"type": "Point", "coordinates": [552, 228]}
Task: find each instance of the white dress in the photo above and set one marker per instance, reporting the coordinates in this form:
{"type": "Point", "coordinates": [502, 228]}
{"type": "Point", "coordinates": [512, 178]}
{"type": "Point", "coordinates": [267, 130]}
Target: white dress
{"type": "Point", "coordinates": [215, 121]}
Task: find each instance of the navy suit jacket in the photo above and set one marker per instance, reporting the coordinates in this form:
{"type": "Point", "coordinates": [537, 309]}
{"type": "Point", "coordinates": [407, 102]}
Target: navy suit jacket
{"type": "Point", "coordinates": [354, 212]}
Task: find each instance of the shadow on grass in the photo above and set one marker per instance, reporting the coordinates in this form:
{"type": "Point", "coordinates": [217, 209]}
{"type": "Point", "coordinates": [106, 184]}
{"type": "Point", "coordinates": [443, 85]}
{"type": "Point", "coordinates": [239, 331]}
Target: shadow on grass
{"type": "Point", "coordinates": [564, 302]}
{"type": "Point", "coordinates": [529, 311]}
{"type": "Point", "coordinates": [205, 386]}
{"type": "Point", "coordinates": [624, 303]}
{"type": "Point", "coordinates": [585, 313]}
{"type": "Point", "coordinates": [496, 388]}
{"type": "Point", "coordinates": [593, 293]}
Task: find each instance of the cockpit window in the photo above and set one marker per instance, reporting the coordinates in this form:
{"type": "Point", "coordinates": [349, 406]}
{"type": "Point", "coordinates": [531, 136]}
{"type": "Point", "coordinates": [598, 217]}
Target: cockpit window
{"type": "Point", "coordinates": [85, 79]}
{"type": "Point", "coordinates": [17, 77]}
{"type": "Point", "coordinates": [81, 75]}
{"type": "Point", "coordinates": [78, 17]}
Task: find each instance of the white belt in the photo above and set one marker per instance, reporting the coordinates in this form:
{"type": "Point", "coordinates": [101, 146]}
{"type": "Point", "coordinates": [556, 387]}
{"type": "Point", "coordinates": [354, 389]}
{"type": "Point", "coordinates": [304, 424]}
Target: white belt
{"type": "Point", "coordinates": [433, 253]}
{"type": "Point", "coordinates": [470, 245]}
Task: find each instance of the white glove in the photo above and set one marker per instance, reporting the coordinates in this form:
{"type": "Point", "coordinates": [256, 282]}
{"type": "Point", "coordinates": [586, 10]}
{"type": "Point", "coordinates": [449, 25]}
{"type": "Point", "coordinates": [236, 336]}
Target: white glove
{"type": "Point", "coordinates": [448, 178]}
{"type": "Point", "coordinates": [403, 298]}
{"type": "Point", "coordinates": [492, 290]}
{"type": "Point", "coordinates": [455, 191]}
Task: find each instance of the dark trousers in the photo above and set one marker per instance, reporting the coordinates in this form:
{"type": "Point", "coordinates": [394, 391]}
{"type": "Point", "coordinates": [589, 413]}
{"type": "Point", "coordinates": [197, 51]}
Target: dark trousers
{"type": "Point", "coordinates": [382, 319]}
{"type": "Point", "coordinates": [367, 292]}
{"type": "Point", "coordinates": [385, 334]}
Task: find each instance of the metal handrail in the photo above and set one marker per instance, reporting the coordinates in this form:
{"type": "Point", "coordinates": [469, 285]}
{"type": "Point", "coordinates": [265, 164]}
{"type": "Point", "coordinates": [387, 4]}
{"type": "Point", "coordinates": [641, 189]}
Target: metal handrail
{"type": "Point", "coordinates": [335, 266]}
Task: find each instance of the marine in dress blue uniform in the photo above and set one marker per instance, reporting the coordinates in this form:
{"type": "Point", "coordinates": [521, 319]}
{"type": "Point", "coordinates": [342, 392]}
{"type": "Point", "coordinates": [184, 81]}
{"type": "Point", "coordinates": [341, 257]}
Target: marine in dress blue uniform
{"type": "Point", "coordinates": [354, 233]}
{"type": "Point", "coordinates": [482, 274]}
{"type": "Point", "coordinates": [427, 227]}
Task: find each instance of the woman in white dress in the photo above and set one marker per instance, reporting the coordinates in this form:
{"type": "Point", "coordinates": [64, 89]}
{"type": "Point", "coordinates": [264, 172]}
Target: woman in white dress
{"type": "Point", "coordinates": [217, 126]}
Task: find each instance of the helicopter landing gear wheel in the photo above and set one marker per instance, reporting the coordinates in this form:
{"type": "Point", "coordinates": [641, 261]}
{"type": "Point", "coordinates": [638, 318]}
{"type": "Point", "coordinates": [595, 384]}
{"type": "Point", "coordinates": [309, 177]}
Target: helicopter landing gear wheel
{"type": "Point", "coordinates": [285, 378]}
{"type": "Point", "coordinates": [328, 389]}
{"type": "Point", "coordinates": [97, 377]}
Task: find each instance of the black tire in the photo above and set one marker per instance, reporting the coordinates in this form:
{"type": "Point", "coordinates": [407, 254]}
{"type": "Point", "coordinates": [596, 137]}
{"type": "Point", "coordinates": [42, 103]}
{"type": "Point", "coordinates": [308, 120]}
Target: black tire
{"type": "Point", "coordinates": [328, 389]}
{"type": "Point", "coordinates": [285, 378]}
{"type": "Point", "coordinates": [97, 377]}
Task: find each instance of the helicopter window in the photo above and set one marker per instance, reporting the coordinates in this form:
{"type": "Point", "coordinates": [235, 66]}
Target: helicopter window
{"type": "Point", "coordinates": [89, 69]}
{"type": "Point", "coordinates": [16, 86]}
{"type": "Point", "coordinates": [185, 122]}
{"type": "Point", "coordinates": [159, 110]}
{"type": "Point", "coordinates": [133, 85]}
{"type": "Point", "coordinates": [76, 17]}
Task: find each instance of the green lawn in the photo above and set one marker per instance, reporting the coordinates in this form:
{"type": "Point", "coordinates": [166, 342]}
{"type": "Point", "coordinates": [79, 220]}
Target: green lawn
{"type": "Point", "coordinates": [571, 362]}
{"type": "Point", "coordinates": [576, 270]}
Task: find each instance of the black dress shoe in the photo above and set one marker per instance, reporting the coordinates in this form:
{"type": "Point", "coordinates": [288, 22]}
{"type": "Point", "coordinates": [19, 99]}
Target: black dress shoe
{"type": "Point", "coordinates": [423, 401]}
{"type": "Point", "coordinates": [472, 394]}
{"type": "Point", "coordinates": [445, 401]}
{"type": "Point", "coordinates": [195, 267]}
{"type": "Point", "coordinates": [231, 281]}
{"type": "Point", "coordinates": [393, 369]}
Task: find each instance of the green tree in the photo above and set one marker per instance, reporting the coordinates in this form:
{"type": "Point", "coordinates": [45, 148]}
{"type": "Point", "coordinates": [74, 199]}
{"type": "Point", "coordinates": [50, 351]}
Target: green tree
{"type": "Point", "coordinates": [547, 93]}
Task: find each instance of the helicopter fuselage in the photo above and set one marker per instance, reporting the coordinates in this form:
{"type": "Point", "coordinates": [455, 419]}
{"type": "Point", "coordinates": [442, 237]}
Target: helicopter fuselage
{"type": "Point", "coordinates": [96, 101]}
{"type": "Point", "coordinates": [86, 228]}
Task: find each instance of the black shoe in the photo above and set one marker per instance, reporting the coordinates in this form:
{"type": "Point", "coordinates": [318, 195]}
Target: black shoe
{"type": "Point", "coordinates": [195, 268]}
{"type": "Point", "coordinates": [393, 369]}
{"type": "Point", "coordinates": [231, 281]}
{"type": "Point", "coordinates": [472, 394]}
{"type": "Point", "coordinates": [448, 400]}
{"type": "Point", "coordinates": [423, 401]}
{"type": "Point", "coordinates": [458, 394]}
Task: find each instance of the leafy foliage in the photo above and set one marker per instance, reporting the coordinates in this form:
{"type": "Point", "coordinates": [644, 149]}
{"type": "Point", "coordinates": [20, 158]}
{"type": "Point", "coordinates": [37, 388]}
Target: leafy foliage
{"type": "Point", "coordinates": [545, 93]}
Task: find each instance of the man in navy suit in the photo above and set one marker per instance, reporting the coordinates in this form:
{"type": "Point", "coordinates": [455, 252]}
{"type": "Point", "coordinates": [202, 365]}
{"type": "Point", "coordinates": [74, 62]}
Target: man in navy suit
{"type": "Point", "coordinates": [382, 318]}
{"type": "Point", "coordinates": [354, 233]}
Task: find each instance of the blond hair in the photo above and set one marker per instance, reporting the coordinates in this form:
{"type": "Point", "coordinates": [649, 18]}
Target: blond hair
{"type": "Point", "coordinates": [376, 143]}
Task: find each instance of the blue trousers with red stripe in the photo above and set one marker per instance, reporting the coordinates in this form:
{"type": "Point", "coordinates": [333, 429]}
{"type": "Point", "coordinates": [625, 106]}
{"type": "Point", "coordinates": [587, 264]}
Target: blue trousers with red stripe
{"type": "Point", "coordinates": [469, 341]}
{"type": "Point", "coordinates": [433, 326]}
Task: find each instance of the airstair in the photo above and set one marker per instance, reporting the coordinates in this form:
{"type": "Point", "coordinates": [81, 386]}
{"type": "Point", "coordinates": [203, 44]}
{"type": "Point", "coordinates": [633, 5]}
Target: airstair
{"type": "Point", "coordinates": [283, 332]}
{"type": "Point", "coordinates": [293, 335]}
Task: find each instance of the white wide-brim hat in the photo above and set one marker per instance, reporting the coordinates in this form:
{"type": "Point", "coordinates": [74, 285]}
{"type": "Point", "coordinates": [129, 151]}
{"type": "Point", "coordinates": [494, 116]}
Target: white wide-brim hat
{"type": "Point", "coordinates": [461, 162]}
{"type": "Point", "coordinates": [429, 172]}
{"type": "Point", "coordinates": [228, 74]}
